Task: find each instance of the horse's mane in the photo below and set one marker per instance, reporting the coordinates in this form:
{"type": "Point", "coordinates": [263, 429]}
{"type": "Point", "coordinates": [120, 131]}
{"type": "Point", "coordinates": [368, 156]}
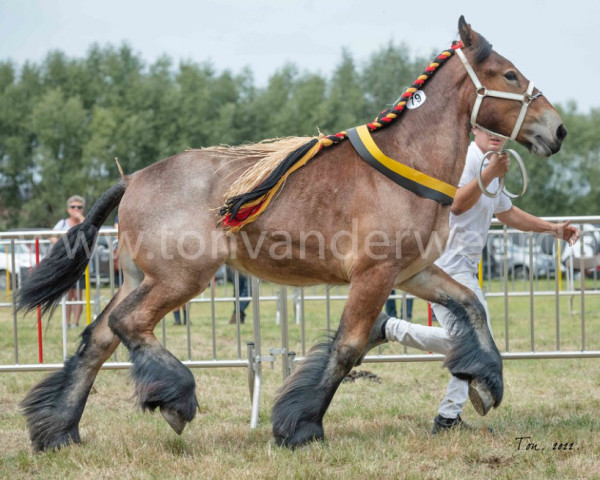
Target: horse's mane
{"type": "Point", "coordinates": [272, 151]}
{"type": "Point", "coordinates": [269, 153]}
{"type": "Point", "coordinates": [256, 187]}
{"type": "Point", "coordinates": [254, 149]}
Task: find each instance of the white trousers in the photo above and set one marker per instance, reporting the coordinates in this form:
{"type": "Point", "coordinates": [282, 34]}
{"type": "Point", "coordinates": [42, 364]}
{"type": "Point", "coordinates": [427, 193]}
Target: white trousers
{"type": "Point", "coordinates": [437, 340]}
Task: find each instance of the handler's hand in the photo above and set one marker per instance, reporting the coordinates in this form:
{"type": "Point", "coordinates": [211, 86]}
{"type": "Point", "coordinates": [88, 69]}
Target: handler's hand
{"type": "Point", "coordinates": [499, 165]}
{"type": "Point", "coordinates": [567, 232]}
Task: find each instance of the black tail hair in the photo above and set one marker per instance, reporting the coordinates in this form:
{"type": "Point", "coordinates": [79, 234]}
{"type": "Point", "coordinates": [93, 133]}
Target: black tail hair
{"type": "Point", "coordinates": [65, 264]}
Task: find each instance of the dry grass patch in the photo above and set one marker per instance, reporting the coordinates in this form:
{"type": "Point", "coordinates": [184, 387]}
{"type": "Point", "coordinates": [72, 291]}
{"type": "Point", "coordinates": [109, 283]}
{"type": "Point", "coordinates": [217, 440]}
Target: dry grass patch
{"type": "Point", "coordinates": [373, 430]}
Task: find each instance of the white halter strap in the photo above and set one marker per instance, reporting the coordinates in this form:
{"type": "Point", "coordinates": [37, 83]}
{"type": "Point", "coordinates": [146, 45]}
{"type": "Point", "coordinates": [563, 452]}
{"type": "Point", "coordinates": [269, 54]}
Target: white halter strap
{"type": "Point", "coordinates": [482, 92]}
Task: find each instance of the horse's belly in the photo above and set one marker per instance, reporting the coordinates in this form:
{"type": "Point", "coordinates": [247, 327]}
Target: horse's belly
{"type": "Point", "coordinates": [297, 270]}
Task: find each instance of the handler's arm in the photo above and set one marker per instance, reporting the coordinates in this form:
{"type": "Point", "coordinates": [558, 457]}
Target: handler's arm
{"type": "Point", "coordinates": [521, 220]}
{"type": "Point", "coordinates": [468, 195]}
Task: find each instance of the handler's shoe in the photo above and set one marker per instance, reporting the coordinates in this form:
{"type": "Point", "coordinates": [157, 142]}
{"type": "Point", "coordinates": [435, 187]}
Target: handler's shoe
{"type": "Point", "coordinates": [377, 335]}
{"type": "Point", "coordinates": [442, 423]}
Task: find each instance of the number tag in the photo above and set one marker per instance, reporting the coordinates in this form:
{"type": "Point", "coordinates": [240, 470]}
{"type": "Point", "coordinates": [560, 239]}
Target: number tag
{"type": "Point", "coordinates": [418, 98]}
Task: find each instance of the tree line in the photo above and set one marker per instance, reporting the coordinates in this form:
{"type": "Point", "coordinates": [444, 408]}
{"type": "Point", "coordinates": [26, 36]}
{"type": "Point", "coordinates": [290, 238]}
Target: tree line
{"type": "Point", "coordinates": [64, 120]}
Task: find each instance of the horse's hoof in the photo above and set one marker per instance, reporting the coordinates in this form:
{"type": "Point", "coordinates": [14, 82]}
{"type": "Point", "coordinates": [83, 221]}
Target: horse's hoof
{"type": "Point", "coordinates": [173, 418]}
{"type": "Point", "coordinates": [480, 397]}
{"type": "Point", "coordinates": [305, 433]}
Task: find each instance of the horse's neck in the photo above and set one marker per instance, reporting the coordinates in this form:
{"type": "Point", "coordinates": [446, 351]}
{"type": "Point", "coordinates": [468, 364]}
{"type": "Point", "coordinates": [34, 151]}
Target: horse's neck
{"type": "Point", "coordinates": [435, 139]}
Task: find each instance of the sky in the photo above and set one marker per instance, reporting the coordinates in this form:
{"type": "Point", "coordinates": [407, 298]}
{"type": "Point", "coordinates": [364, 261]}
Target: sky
{"type": "Point", "coordinates": [554, 43]}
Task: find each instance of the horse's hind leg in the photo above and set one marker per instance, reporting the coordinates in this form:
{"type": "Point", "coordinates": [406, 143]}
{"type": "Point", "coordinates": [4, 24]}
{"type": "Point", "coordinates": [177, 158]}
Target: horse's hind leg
{"type": "Point", "coordinates": [54, 406]}
{"type": "Point", "coordinates": [298, 411]}
{"type": "Point", "coordinates": [161, 380]}
{"type": "Point", "coordinates": [474, 355]}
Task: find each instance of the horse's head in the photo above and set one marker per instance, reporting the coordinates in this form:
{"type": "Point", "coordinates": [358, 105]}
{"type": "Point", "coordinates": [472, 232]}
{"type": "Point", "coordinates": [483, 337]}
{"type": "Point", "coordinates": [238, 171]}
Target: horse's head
{"type": "Point", "coordinates": [505, 102]}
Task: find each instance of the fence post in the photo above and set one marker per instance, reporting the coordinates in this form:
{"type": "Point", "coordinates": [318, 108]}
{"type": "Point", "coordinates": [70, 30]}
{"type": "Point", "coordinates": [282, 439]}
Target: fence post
{"type": "Point", "coordinates": [251, 371]}
{"type": "Point", "coordinates": [256, 359]}
{"type": "Point", "coordinates": [39, 309]}
{"type": "Point", "coordinates": [284, 331]}
{"type": "Point", "coordinates": [13, 299]}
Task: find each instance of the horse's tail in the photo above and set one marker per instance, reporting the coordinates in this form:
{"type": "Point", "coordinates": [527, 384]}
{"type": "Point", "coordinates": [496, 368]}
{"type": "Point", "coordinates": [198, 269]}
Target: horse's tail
{"type": "Point", "coordinates": [65, 264]}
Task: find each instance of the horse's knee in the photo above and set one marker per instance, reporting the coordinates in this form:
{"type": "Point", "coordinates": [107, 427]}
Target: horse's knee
{"type": "Point", "coordinates": [467, 310]}
{"type": "Point", "coordinates": [474, 306]}
{"type": "Point", "coordinates": [126, 308]}
{"type": "Point", "coordinates": [116, 323]}
{"type": "Point", "coordinates": [347, 355]}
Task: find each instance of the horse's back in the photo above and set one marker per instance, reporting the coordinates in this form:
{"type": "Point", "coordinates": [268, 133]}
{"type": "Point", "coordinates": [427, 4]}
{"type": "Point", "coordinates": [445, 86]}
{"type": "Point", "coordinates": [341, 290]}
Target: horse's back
{"type": "Point", "coordinates": [168, 217]}
{"type": "Point", "coordinates": [186, 175]}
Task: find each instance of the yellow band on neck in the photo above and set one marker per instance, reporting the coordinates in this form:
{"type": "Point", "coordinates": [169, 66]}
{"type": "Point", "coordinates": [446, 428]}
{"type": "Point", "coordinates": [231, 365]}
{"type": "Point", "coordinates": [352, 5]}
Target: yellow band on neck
{"type": "Point", "coordinates": [405, 176]}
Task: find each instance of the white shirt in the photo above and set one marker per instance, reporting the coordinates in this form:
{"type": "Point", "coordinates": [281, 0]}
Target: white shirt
{"type": "Point", "coordinates": [62, 225]}
{"type": "Point", "coordinates": [468, 231]}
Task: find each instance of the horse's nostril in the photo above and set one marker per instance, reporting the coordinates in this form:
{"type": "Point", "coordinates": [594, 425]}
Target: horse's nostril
{"type": "Point", "coordinates": [561, 133]}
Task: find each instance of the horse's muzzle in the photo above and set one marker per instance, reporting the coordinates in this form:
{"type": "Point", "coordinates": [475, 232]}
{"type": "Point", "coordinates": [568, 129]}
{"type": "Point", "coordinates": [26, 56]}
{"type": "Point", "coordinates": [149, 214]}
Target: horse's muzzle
{"type": "Point", "coordinates": [561, 133]}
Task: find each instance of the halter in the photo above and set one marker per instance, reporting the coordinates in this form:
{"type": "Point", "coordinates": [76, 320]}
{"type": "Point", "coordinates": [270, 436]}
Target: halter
{"type": "Point", "coordinates": [482, 92]}
{"type": "Point", "coordinates": [525, 99]}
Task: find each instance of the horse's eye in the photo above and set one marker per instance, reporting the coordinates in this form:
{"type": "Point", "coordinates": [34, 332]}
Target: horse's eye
{"type": "Point", "coordinates": [510, 76]}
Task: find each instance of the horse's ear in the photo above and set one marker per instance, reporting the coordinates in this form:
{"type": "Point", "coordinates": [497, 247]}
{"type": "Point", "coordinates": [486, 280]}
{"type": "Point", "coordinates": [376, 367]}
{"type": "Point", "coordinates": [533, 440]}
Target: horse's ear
{"type": "Point", "coordinates": [466, 32]}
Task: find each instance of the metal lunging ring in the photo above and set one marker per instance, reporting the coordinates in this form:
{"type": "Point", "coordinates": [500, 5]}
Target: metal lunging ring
{"type": "Point", "coordinates": [501, 187]}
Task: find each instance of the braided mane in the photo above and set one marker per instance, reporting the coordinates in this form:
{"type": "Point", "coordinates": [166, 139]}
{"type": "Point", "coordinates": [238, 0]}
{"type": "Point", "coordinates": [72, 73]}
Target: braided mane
{"type": "Point", "coordinates": [244, 206]}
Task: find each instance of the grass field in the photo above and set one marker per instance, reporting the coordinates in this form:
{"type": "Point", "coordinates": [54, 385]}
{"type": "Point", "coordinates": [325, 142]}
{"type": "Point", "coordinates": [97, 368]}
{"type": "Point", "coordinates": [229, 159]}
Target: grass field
{"type": "Point", "coordinates": [373, 430]}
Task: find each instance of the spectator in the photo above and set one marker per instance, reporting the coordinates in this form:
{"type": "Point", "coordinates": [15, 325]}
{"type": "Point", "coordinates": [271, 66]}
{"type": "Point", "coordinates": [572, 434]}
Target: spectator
{"type": "Point", "coordinates": [243, 292]}
{"type": "Point", "coordinates": [75, 209]}
{"type": "Point", "coordinates": [177, 316]}
{"type": "Point", "coordinates": [390, 307]}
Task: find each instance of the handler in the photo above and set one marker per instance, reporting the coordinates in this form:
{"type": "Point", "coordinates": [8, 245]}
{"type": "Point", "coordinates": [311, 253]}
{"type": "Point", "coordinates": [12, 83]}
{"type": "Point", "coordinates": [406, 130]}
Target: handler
{"type": "Point", "coordinates": [470, 219]}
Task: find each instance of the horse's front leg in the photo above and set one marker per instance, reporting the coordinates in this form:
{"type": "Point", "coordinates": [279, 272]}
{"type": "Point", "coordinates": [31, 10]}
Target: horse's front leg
{"type": "Point", "coordinates": [299, 408]}
{"type": "Point", "coordinates": [474, 355]}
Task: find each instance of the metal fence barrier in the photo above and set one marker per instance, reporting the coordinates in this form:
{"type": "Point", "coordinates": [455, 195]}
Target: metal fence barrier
{"type": "Point", "coordinates": [514, 265]}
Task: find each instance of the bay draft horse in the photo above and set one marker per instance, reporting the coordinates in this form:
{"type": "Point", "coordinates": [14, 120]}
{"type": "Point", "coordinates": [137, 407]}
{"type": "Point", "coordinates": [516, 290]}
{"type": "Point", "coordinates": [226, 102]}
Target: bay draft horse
{"type": "Point", "coordinates": [169, 209]}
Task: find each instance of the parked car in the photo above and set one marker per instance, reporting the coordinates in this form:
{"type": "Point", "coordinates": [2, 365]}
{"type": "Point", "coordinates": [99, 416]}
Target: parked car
{"type": "Point", "coordinates": [102, 260]}
{"type": "Point", "coordinates": [586, 252]}
{"type": "Point", "coordinates": [24, 260]}
{"type": "Point", "coordinates": [518, 262]}
{"type": "Point", "coordinates": [490, 268]}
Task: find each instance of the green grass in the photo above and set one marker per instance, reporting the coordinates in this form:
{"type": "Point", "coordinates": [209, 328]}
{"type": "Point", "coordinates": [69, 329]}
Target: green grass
{"type": "Point", "coordinates": [373, 430]}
